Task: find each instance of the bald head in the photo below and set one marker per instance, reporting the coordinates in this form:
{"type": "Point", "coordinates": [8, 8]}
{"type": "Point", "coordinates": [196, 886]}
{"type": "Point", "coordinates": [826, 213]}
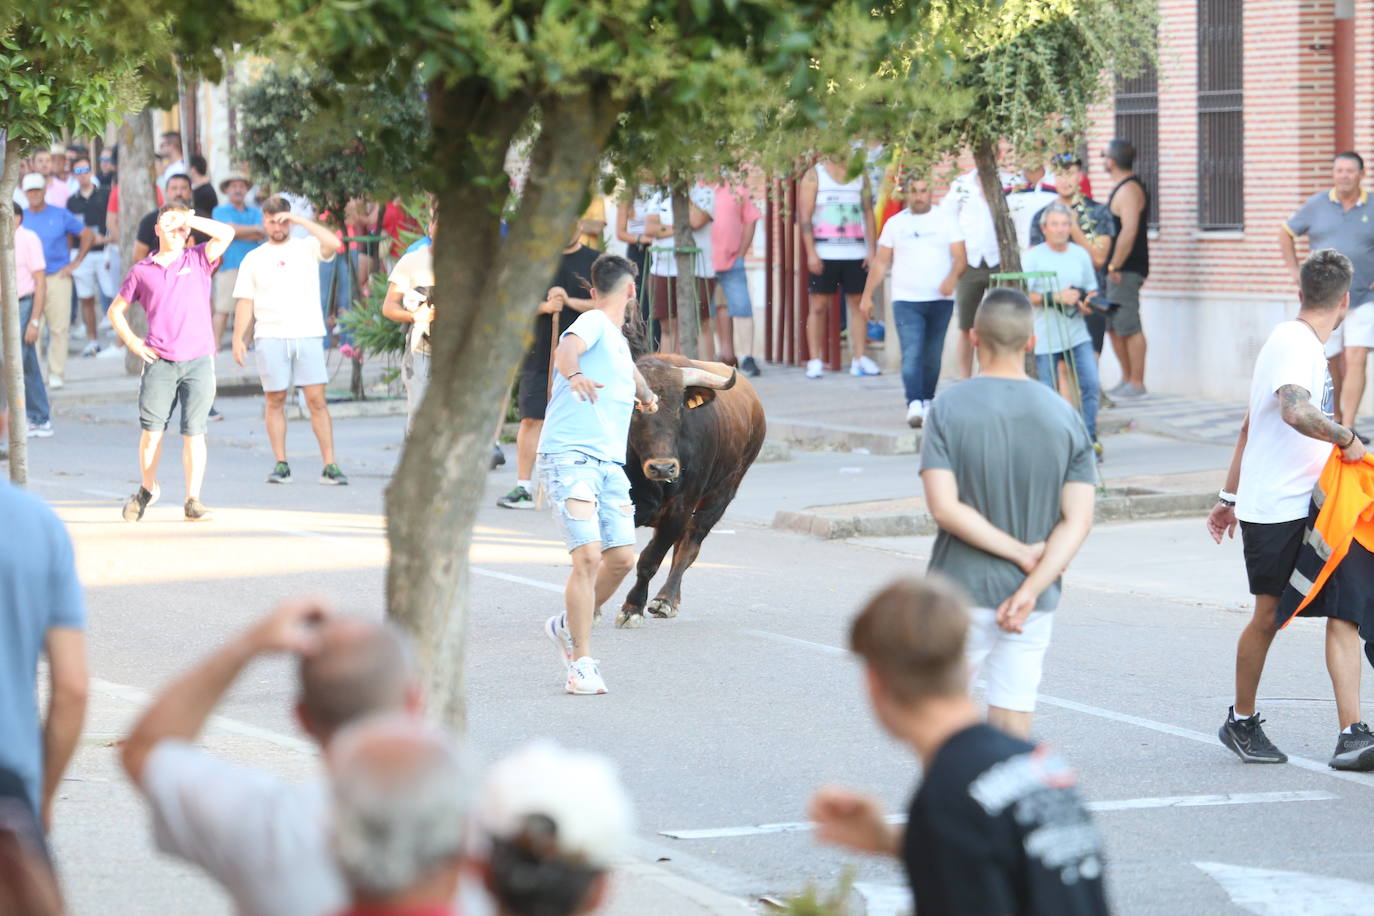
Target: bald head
{"type": "Point", "coordinates": [361, 669]}
{"type": "Point", "coordinates": [1004, 321]}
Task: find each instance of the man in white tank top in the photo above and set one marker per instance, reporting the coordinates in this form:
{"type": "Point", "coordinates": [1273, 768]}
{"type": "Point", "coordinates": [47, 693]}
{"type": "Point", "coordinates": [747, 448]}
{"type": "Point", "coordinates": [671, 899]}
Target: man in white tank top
{"type": "Point", "coordinates": [837, 227]}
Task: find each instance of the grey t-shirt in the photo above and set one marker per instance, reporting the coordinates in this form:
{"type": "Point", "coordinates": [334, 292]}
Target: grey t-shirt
{"type": "Point", "coordinates": [1012, 446]}
{"type": "Point", "coordinates": [1327, 224]}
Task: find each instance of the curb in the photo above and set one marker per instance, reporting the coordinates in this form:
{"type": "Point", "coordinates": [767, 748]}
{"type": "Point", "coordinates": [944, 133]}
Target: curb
{"type": "Point", "coordinates": [810, 435]}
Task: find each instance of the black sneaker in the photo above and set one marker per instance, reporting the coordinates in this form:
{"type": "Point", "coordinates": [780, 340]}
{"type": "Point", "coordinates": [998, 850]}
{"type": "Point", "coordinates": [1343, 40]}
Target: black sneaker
{"type": "Point", "coordinates": [498, 457]}
{"type": "Point", "coordinates": [749, 367]}
{"type": "Point", "coordinates": [1354, 751]}
{"type": "Point", "coordinates": [1248, 740]}
{"type": "Point", "coordinates": [139, 503]}
{"type": "Point", "coordinates": [331, 476]}
{"type": "Point", "coordinates": [281, 473]}
{"type": "Point", "coordinates": [519, 498]}
{"type": "Point", "coordinates": [196, 511]}
{"type": "Point", "coordinates": [215, 414]}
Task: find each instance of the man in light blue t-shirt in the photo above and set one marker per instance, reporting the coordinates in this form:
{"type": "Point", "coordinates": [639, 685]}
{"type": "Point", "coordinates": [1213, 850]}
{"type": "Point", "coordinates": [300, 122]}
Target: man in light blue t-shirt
{"type": "Point", "coordinates": [248, 234]}
{"type": "Point", "coordinates": [1061, 334]}
{"type": "Point", "coordinates": [596, 389]}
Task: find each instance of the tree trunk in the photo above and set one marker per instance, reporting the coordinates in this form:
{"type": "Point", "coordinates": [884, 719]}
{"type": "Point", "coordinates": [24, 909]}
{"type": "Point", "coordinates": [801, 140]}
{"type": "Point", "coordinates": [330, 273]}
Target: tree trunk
{"type": "Point", "coordinates": [688, 318]}
{"type": "Point", "coordinates": [137, 196]}
{"type": "Point", "coordinates": [985, 157]}
{"type": "Point", "coordinates": [13, 333]}
{"type": "Point", "coordinates": [485, 290]}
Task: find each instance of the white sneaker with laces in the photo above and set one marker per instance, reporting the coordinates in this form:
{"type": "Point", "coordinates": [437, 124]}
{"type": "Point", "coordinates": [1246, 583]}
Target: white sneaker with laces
{"type": "Point", "coordinates": [862, 365]}
{"type": "Point", "coordinates": [814, 368]}
{"type": "Point", "coordinates": [558, 634]}
{"type": "Point", "coordinates": [915, 414]}
{"type": "Point", "coordinates": [584, 678]}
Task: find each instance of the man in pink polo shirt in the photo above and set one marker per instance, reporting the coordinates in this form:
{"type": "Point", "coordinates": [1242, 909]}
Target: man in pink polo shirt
{"type": "Point", "coordinates": [732, 232]}
{"type": "Point", "coordinates": [32, 284]}
{"type": "Point", "coordinates": [173, 285]}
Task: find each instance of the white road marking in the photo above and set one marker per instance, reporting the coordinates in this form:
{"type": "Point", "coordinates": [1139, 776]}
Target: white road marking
{"type": "Point", "coordinates": [1124, 804]}
{"type": "Point", "coordinates": [1269, 892]}
{"type": "Point", "coordinates": [518, 580]}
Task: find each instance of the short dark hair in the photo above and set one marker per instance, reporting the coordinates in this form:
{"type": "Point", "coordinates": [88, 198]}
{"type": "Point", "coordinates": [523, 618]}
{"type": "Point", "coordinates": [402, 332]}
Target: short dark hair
{"type": "Point", "coordinates": [1004, 319]}
{"type": "Point", "coordinates": [82, 157]}
{"type": "Point", "coordinates": [1352, 156]}
{"type": "Point", "coordinates": [171, 133]}
{"type": "Point", "coordinates": [78, 149]}
{"type": "Point", "coordinates": [1324, 279]}
{"type": "Point", "coordinates": [18, 210]}
{"type": "Point", "coordinates": [198, 164]}
{"type": "Point", "coordinates": [182, 175]}
{"type": "Point", "coordinates": [1122, 152]}
{"type": "Point", "coordinates": [1064, 160]}
{"type": "Point", "coordinates": [912, 634]}
{"type": "Point", "coordinates": [610, 270]}
{"type": "Point", "coordinates": [275, 204]}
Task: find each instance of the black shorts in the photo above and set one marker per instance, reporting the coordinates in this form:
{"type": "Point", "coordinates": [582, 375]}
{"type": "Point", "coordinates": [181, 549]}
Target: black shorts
{"type": "Point", "coordinates": [848, 275]}
{"type": "Point", "coordinates": [1271, 554]}
{"type": "Point", "coordinates": [533, 398]}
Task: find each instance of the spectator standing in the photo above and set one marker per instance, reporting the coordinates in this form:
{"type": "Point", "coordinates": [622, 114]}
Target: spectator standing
{"type": "Point", "coordinates": [55, 189]}
{"type": "Point", "coordinates": [1283, 445]}
{"type": "Point", "coordinates": [1128, 265]}
{"type": "Point", "coordinates": [173, 286]}
{"type": "Point", "coordinates": [997, 824]}
{"type": "Point", "coordinates": [169, 150]}
{"type": "Point", "coordinates": [630, 219]}
{"type": "Point", "coordinates": [732, 234]}
{"type": "Point", "coordinates": [91, 203]}
{"type": "Point", "coordinates": [840, 235]}
{"type": "Point", "coordinates": [966, 203]}
{"type": "Point", "coordinates": [1032, 190]}
{"type": "Point", "coordinates": [666, 307]}
{"type": "Point", "coordinates": [146, 238]}
{"type": "Point", "coordinates": [42, 613]}
{"type": "Point", "coordinates": [276, 290]}
{"type": "Point", "coordinates": [263, 839]}
{"type": "Point", "coordinates": [53, 224]}
{"type": "Point", "coordinates": [248, 234]}
{"type": "Point", "coordinates": [409, 300]}
{"type": "Point", "coordinates": [924, 249]}
{"type": "Point", "coordinates": [1010, 519]}
{"type": "Point", "coordinates": [109, 166]}
{"type": "Point", "coordinates": [592, 226]}
{"type": "Point", "coordinates": [204, 200]}
{"type": "Point", "coordinates": [31, 282]}
{"type": "Point", "coordinates": [1339, 218]}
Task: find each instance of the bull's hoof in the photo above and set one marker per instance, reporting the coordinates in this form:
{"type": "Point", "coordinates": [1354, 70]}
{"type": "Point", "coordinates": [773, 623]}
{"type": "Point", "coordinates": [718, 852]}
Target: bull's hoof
{"type": "Point", "coordinates": [661, 607]}
{"type": "Point", "coordinates": [629, 619]}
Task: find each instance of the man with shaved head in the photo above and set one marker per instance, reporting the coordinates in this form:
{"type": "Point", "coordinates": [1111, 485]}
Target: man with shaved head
{"type": "Point", "coordinates": [266, 841]}
{"type": "Point", "coordinates": [1009, 475]}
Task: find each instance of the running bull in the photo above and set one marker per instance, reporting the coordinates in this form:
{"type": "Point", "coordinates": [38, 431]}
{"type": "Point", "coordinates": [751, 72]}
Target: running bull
{"type": "Point", "coordinates": [685, 463]}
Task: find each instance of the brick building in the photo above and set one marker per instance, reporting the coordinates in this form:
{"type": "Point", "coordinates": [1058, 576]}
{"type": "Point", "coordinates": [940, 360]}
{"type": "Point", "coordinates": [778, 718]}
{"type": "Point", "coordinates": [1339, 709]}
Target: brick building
{"type": "Point", "coordinates": [1234, 130]}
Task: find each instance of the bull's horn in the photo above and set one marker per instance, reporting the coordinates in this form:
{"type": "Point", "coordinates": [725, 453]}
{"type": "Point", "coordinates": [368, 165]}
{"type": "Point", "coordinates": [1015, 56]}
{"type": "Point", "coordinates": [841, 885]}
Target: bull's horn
{"type": "Point", "coordinates": [692, 377]}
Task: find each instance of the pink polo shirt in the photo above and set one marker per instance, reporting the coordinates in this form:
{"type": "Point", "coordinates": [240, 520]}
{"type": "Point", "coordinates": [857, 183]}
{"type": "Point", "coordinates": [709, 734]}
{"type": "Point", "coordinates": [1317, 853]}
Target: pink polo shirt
{"type": "Point", "coordinates": [733, 210]}
{"type": "Point", "coordinates": [28, 257]}
{"type": "Point", "coordinates": [177, 300]}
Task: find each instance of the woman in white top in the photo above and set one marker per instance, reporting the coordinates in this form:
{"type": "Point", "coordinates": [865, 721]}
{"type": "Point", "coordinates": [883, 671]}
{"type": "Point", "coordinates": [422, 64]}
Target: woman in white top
{"type": "Point", "coordinates": [663, 272]}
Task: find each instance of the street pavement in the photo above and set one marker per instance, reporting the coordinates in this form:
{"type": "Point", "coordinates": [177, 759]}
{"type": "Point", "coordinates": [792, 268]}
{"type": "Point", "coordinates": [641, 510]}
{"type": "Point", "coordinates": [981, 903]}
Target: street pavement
{"type": "Point", "coordinates": [724, 719]}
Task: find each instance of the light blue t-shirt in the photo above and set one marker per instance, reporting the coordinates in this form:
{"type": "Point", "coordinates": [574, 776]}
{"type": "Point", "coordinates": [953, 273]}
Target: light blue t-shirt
{"type": "Point", "coordinates": [597, 429]}
{"type": "Point", "coordinates": [38, 591]}
{"type": "Point", "coordinates": [248, 216]}
{"type": "Point", "coordinates": [1056, 332]}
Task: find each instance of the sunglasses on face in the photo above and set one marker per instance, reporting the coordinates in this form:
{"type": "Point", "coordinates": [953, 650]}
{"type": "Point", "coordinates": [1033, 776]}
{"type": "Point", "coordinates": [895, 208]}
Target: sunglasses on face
{"type": "Point", "coordinates": [105, 159]}
{"type": "Point", "coordinates": [81, 170]}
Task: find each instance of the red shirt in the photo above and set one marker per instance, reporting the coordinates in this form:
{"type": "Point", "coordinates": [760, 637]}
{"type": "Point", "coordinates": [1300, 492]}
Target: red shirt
{"type": "Point", "coordinates": [114, 199]}
{"type": "Point", "coordinates": [394, 219]}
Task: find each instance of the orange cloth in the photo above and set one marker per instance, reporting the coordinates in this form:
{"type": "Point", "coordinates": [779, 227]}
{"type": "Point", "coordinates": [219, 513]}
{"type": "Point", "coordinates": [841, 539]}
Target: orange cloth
{"type": "Point", "coordinates": [1347, 514]}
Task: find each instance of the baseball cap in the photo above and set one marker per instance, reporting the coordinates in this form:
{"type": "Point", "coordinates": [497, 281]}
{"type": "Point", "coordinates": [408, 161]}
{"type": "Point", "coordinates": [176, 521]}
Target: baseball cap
{"type": "Point", "coordinates": [579, 792]}
{"type": "Point", "coordinates": [34, 182]}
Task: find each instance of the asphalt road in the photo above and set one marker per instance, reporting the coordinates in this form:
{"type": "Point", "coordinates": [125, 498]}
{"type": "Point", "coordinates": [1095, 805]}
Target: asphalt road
{"type": "Point", "coordinates": [726, 717]}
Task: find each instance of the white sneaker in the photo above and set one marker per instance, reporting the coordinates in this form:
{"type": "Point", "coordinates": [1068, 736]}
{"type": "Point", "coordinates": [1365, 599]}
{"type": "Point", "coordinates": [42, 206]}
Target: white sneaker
{"type": "Point", "coordinates": [55, 382]}
{"type": "Point", "coordinates": [91, 349]}
{"type": "Point", "coordinates": [40, 430]}
{"type": "Point", "coordinates": [814, 368]}
{"type": "Point", "coordinates": [915, 414]}
{"type": "Point", "coordinates": [111, 352]}
{"type": "Point", "coordinates": [584, 678]}
{"type": "Point", "coordinates": [864, 366]}
{"type": "Point", "coordinates": [558, 634]}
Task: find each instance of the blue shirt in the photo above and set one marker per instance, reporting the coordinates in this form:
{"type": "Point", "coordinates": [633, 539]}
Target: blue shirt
{"type": "Point", "coordinates": [38, 591]}
{"type": "Point", "coordinates": [248, 216]}
{"type": "Point", "coordinates": [1056, 332]}
{"type": "Point", "coordinates": [601, 428]}
{"type": "Point", "coordinates": [52, 226]}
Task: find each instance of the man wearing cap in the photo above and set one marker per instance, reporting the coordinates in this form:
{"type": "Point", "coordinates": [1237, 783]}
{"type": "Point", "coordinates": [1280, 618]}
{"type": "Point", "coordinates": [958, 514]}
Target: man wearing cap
{"type": "Point", "coordinates": [248, 234]}
{"type": "Point", "coordinates": [53, 224]}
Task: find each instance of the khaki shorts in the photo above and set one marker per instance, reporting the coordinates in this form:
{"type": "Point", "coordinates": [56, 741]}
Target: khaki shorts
{"type": "Point", "coordinates": [1124, 320]}
{"type": "Point", "coordinates": [225, 303]}
{"type": "Point", "coordinates": [969, 292]}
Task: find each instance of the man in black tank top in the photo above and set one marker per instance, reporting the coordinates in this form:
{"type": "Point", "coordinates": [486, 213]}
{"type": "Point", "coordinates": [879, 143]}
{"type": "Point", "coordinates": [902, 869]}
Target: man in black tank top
{"type": "Point", "coordinates": [1128, 264]}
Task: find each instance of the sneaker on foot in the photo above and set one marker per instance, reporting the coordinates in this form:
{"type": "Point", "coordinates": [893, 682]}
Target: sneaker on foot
{"type": "Point", "coordinates": [1099, 450]}
{"type": "Point", "coordinates": [498, 457]}
{"type": "Point", "coordinates": [333, 477]}
{"type": "Point", "coordinates": [1127, 392]}
{"type": "Point", "coordinates": [55, 382]}
{"type": "Point", "coordinates": [215, 414]}
{"type": "Point", "coordinates": [1354, 751]}
{"type": "Point", "coordinates": [1249, 742]}
{"type": "Point", "coordinates": [139, 503]}
{"type": "Point", "coordinates": [281, 473]}
{"type": "Point", "coordinates": [814, 368]}
{"type": "Point", "coordinates": [196, 511]}
{"type": "Point", "coordinates": [864, 366]}
{"type": "Point", "coordinates": [111, 352]}
{"type": "Point", "coordinates": [91, 349]}
{"type": "Point", "coordinates": [518, 498]}
{"type": "Point", "coordinates": [40, 430]}
{"type": "Point", "coordinates": [749, 367]}
{"type": "Point", "coordinates": [915, 414]}
{"type": "Point", "coordinates": [558, 634]}
{"type": "Point", "coordinates": [584, 678]}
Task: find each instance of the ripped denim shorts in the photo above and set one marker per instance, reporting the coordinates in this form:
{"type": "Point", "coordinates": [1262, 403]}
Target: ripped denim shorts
{"type": "Point", "coordinates": [608, 517]}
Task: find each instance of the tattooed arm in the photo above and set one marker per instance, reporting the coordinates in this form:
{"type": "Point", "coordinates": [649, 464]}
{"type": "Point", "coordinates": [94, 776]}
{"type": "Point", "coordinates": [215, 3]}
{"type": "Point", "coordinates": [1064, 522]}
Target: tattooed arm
{"type": "Point", "coordinates": [1298, 411]}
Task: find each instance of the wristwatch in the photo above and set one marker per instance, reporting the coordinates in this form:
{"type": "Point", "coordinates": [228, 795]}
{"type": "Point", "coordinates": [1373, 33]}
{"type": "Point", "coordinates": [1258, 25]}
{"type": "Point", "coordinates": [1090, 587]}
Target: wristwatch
{"type": "Point", "coordinates": [1226, 499]}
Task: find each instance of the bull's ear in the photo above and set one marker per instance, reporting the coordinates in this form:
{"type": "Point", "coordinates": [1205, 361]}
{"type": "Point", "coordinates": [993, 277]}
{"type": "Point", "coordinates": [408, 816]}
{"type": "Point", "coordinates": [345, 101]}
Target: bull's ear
{"type": "Point", "coordinates": [695, 397]}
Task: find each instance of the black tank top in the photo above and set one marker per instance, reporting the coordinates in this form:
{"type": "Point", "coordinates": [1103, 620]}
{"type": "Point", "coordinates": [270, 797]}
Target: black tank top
{"type": "Point", "coordinates": [1138, 261]}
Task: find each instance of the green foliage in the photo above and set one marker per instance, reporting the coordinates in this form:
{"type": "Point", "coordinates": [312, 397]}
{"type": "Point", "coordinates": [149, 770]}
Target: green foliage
{"type": "Point", "coordinates": [372, 332]}
{"type": "Point", "coordinates": [310, 134]}
{"type": "Point", "coordinates": [814, 902]}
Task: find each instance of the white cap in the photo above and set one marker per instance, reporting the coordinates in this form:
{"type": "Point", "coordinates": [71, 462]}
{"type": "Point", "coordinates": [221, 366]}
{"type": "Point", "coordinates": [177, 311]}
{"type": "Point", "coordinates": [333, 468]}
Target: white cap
{"type": "Point", "coordinates": [579, 791]}
{"type": "Point", "coordinates": [34, 182]}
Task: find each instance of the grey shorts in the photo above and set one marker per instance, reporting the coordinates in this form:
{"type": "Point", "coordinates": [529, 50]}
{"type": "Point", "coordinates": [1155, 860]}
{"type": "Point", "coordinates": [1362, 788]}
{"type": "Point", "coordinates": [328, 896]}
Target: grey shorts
{"type": "Point", "coordinates": [287, 361]}
{"type": "Point", "coordinates": [1124, 320]}
{"type": "Point", "coordinates": [164, 383]}
{"type": "Point", "coordinates": [968, 294]}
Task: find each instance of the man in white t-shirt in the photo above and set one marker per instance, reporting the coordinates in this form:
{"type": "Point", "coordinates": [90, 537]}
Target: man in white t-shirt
{"type": "Point", "coordinates": [278, 292]}
{"type": "Point", "coordinates": [410, 300]}
{"type": "Point", "coordinates": [1284, 442]}
{"type": "Point", "coordinates": [663, 272]}
{"type": "Point", "coordinates": [924, 248]}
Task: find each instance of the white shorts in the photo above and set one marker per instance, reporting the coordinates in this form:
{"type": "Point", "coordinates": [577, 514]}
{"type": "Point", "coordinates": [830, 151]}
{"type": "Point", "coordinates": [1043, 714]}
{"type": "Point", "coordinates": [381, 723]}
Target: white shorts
{"type": "Point", "coordinates": [287, 361]}
{"type": "Point", "coordinates": [1357, 330]}
{"type": "Point", "coordinates": [1010, 663]}
{"type": "Point", "coordinates": [86, 275]}
{"type": "Point", "coordinates": [108, 273]}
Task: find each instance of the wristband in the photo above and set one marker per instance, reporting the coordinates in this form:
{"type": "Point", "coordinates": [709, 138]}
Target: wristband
{"type": "Point", "coordinates": [1353, 435]}
{"type": "Point", "coordinates": [1226, 499]}
{"type": "Point", "coordinates": [574, 375]}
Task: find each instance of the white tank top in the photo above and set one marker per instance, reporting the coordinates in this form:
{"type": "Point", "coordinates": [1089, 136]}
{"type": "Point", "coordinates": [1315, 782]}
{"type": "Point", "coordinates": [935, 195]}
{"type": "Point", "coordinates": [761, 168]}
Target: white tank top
{"type": "Point", "coordinates": [838, 223]}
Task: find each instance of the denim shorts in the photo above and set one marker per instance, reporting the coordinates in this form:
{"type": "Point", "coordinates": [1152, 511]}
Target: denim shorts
{"type": "Point", "coordinates": [735, 284]}
{"type": "Point", "coordinates": [574, 476]}
{"type": "Point", "coordinates": [165, 382]}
